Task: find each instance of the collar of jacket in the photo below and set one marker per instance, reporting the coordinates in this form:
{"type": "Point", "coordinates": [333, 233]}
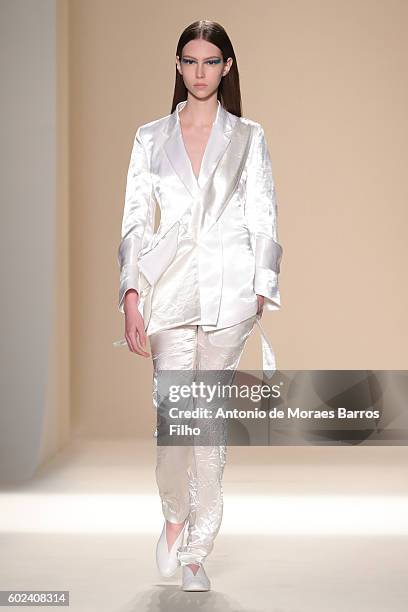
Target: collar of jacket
{"type": "Point", "coordinates": [217, 143]}
{"type": "Point", "coordinates": [223, 161]}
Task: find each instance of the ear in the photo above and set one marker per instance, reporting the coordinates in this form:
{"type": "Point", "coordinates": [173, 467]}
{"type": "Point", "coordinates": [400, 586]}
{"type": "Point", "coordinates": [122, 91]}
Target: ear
{"type": "Point", "coordinates": [228, 65]}
{"type": "Point", "coordinates": [178, 65]}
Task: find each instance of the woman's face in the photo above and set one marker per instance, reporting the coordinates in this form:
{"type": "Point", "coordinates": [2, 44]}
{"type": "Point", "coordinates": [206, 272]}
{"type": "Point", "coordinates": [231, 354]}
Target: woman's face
{"type": "Point", "coordinates": [202, 67]}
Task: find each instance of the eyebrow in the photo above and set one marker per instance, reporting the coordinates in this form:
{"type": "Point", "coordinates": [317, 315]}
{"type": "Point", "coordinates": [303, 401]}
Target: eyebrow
{"type": "Point", "coordinates": [205, 58]}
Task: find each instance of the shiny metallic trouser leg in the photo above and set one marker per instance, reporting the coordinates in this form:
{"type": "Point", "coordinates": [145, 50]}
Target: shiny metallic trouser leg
{"type": "Point", "coordinates": [189, 477]}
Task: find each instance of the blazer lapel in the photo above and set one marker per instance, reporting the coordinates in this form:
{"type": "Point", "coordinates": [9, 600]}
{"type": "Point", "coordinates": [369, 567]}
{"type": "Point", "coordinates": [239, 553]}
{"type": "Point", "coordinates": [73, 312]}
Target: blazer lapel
{"type": "Point", "coordinates": [177, 155]}
{"type": "Point", "coordinates": [223, 162]}
{"type": "Point", "coordinates": [218, 141]}
{"type": "Point", "coordinates": [217, 192]}
{"type": "Point", "coordinates": [176, 152]}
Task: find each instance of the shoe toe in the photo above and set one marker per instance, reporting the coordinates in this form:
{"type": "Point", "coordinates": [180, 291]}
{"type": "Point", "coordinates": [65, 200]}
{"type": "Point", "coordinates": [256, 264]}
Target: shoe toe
{"type": "Point", "coordinates": [195, 582]}
{"type": "Point", "coordinates": [167, 561]}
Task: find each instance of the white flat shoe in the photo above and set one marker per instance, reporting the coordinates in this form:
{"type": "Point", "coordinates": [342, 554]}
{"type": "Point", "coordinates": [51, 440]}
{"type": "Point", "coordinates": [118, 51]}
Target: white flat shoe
{"type": "Point", "coordinates": [195, 582]}
{"type": "Point", "coordinates": [167, 562]}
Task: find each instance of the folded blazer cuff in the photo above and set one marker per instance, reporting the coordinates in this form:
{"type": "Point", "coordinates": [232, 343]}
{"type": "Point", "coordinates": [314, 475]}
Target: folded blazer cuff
{"type": "Point", "coordinates": [129, 279]}
{"type": "Point", "coordinates": [268, 252]}
{"type": "Point", "coordinates": [266, 284]}
{"type": "Point", "coordinates": [129, 248]}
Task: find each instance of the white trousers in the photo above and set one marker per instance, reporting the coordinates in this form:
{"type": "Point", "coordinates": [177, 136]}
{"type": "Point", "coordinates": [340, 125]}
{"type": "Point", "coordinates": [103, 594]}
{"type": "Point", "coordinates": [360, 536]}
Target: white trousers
{"type": "Point", "coordinates": [189, 478]}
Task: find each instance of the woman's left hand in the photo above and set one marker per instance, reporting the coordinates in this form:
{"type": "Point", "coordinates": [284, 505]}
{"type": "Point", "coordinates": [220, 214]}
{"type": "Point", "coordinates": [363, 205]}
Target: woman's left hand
{"type": "Point", "coordinates": [261, 300]}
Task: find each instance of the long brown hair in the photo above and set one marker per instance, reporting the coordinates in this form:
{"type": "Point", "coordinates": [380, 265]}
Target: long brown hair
{"type": "Point", "coordinates": [229, 92]}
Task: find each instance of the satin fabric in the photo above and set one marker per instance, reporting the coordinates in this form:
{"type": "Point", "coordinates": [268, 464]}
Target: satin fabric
{"type": "Point", "coordinates": [189, 478]}
{"type": "Point", "coordinates": [216, 246]}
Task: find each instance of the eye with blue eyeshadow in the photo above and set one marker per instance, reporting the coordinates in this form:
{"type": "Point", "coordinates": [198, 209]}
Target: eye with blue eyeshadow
{"type": "Point", "coordinates": [211, 62]}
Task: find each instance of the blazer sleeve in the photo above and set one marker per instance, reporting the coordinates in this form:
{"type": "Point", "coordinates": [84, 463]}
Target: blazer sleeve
{"type": "Point", "coordinates": [261, 207]}
{"type": "Point", "coordinates": [138, 218]}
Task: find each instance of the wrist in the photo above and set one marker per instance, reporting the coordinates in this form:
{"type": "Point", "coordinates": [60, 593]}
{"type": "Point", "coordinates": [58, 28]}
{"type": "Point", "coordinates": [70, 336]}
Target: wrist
{"type": "Point", "coordinates": [131, 297]}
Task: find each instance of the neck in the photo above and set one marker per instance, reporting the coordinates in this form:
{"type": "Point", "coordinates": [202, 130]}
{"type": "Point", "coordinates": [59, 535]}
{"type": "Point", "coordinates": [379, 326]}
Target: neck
{"type": "Point", "coordinates": [199, 113]}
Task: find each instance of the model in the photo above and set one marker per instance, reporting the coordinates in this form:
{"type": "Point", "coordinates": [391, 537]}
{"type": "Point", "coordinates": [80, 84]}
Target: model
{"type": "Point", "coordinates": [198, 283]}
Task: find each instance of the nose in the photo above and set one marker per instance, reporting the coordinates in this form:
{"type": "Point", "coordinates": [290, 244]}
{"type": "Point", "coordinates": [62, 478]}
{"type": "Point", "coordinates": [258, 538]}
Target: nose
{"type": "Point", "coordinates": [200, 70]}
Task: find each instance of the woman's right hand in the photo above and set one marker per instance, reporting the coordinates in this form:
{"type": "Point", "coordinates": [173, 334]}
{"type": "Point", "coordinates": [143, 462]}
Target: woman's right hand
{"type": "Point", "coordinates": [134, 324]}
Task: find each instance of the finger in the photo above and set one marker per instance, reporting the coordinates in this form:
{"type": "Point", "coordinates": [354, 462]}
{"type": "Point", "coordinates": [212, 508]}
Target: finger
{"type": "Point", "coordinates": [141, 337]}
{"type": "Point", "coordinates": [142, 333]}
{"type": "Point", "coordinates": [135, 345]}
{"type": "Point", "coordinates": [141, 351]}
{"type": "Point", "coordinates": [130, 342]}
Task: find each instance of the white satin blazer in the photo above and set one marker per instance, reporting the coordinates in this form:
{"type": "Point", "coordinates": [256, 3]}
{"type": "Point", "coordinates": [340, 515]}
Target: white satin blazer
{"type": "Point", "coordinates": [216, 246]}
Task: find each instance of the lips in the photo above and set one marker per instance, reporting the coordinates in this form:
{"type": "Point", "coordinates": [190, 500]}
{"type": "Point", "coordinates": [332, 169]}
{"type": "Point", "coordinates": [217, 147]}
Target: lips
{"type": "Point", "coordinates": [200, 84]}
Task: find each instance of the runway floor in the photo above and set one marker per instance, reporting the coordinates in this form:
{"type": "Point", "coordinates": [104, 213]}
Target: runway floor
{"type": "Point", "coordinates": [304, 529]}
